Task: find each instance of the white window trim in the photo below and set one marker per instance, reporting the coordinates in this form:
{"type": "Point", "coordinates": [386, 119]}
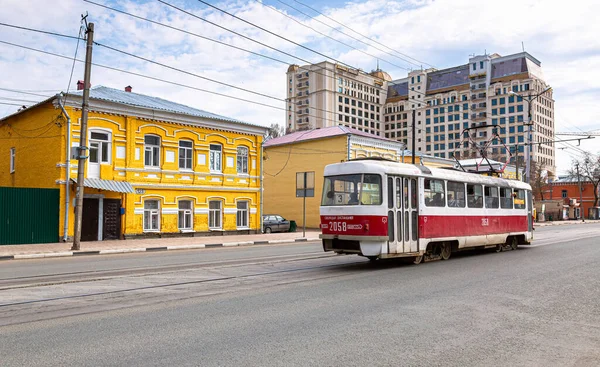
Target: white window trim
{"type": "Point", "coordinates": [158, 213]}
{"type": "Point", "coordinates": [100, 142]}
{"type": "Point", "coordinates": [13, 155]}
{"type": "Point", "coordinates": [220, 227]}
{"type": "Point", "coordinates": [210, 153]}
{"type": "Point", "coordinates": [247, 226]}
{"type": "Point", "coordinates": [191, 151]}
{"type": "Point", "coordinates": [247, 156]}
{"type": "Point", "coordinates": [146, 146]}
{"type": "Point", "coordinates": [190, 212]}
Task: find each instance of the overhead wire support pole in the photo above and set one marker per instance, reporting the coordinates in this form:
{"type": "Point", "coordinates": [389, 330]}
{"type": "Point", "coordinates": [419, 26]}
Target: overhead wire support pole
{"type": "Point", "coordinates": [582, 216]}
{"type": "Point", "coordinates": [413, 136]}
{"type": "Point", "coordinates": [83, 137]}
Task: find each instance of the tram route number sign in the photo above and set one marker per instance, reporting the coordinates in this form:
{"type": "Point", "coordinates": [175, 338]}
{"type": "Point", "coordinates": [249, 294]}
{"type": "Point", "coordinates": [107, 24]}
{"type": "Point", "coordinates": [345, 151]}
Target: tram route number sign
{"type": "Point", "coordinates": [305, 184]}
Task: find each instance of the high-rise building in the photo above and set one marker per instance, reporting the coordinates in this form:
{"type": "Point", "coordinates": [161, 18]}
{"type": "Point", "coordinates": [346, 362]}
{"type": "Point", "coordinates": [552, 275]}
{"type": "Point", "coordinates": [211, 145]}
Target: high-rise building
{"type": "Point", "coordinates": [457, 111]}
{"type": "Point", "coordinates": [328, 94]}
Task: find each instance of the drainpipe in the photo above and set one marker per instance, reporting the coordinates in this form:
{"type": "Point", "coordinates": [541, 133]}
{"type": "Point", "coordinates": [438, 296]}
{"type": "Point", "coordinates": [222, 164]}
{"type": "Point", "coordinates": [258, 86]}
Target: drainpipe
{"type": "Point", "coordinates": [68, 167]}
{"type": "Point", "coordinates": [260, 162]}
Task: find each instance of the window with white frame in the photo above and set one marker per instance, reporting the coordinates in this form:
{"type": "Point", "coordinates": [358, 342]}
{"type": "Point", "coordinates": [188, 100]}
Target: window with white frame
{"type": "Point", "coordinates": [214, 214]}
{"type": "Point", "coordinates": [99, 147]}
{"type": "Point", "coordinates": [185, 154]}
{"type": "Point", "coordinates": [151, 215]}
{"type": "Point", "coordinates": [242, 160]}
{"type": "Point", "coordinates": [12, 159]}
{"type": "Point", "coordinates": [186, 217]}
{"type": "Point", "coordinates": [151, 151]}
{"type": "Point", "coordinates": [215, 157]}
{"type": "Point", "coordinates": [242, 214]}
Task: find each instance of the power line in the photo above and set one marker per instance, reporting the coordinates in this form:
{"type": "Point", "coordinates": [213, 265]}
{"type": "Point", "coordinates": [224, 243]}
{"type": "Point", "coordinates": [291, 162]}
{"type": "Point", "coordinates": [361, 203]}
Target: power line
{"type": "Point", "coordinates": [18, 100]}
{"type": "Point", "coordinates": [37, 30]}
{"type": "Point", "coordinates": [237, 34]}
{"type": "Point", "coordinates": [189, 73]}
{"type": "Point", "coordinates": [273, 34]}
{"type": "Point", "coordinates": [24, 92]}
{"type": "Point", "coordinates": [164, 81]}
{"type": "Point", "coordinates": [205, 78]}
{"type": "Point", "coordinates": [350, 36]}
{"type": "Point", "coordinates": [73, 66]}
{"type": "Point", "coordinates": [327, 36]}
{"type": "Point", "coordinates": [187, 32]}
{"type": "Point", "coordinates": [360, 34]}
{"type": "Point", "coordinates": [11, 104]}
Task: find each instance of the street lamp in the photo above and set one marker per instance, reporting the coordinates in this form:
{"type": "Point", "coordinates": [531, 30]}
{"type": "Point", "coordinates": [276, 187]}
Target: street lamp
{"type": "Point", "coordinates": [529, 99]}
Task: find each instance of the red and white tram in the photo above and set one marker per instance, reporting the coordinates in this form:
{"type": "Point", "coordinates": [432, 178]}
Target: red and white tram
{"type": "Point", "coordinates": [384, 209]}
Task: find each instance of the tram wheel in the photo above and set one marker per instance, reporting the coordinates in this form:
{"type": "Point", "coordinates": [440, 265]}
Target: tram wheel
{"type": "Point", "coordinates": [418, 259]}
{"type": "Point", "coordinates": [514, 244]}
{"type": "Point", "coordinates": [372, 258]}
{"type": "Point", "coordinates": [499, 248]}
{"type": "Point", "coordinates": [446, 251]}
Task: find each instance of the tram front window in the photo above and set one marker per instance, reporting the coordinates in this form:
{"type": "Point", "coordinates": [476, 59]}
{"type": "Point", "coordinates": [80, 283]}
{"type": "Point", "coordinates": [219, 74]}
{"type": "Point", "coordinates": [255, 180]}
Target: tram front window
{"type": "Point", "coordinates": [356, 189]}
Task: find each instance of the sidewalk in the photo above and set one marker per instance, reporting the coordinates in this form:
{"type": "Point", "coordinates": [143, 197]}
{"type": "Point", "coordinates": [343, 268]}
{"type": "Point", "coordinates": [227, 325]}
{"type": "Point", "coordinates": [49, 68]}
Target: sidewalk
{"type": "Point", "coordinates": [564, 222]}
{"type": "Point", "coordinates": [44, 250]}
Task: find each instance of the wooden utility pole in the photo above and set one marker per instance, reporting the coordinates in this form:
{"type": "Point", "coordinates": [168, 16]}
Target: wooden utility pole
{"type": "Point", "coordinates": [83, 148]}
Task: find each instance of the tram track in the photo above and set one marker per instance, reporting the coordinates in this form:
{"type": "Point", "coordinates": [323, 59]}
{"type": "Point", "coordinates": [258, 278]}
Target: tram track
{"type": "Point", "coordinates": [37, 308]}
{"type": "Point", "coordinates": [94, 275]}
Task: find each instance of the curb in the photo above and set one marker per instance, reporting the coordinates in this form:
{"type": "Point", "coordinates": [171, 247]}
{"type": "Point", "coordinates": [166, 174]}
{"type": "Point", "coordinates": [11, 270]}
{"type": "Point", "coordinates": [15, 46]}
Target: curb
{"type": "Point", "coordinates": [153, 249]}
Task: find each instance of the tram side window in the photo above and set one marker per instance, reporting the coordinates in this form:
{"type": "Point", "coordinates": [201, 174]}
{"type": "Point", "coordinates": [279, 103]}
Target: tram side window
{"type": "Point", "coordinates": [352, 190]}
{"type": "Point", "coordinates": [456, 194]}
{"type": "Point", "coordinates": [434, 192]}
{"type": "Point", "coordinates": [519, 199]}
{"type": "Point", "coordinates": [491, 197]}
{"type": "Point", "coordinates": [474, 196]}
{"type": "Point", "coordinates": [506, 198]}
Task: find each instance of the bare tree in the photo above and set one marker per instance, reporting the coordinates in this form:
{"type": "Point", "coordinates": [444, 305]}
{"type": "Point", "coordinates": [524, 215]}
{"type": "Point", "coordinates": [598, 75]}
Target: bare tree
{"type": "Point", "coordinates": [275, 131]}
{"type": "Point", "coordinates": [539, 180]}
{"type": "Point", "coordinates": [589, 171]}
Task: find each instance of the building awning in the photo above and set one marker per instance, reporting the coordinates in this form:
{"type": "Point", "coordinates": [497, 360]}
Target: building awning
{"type": "Point", "coordinates": [108, 185]}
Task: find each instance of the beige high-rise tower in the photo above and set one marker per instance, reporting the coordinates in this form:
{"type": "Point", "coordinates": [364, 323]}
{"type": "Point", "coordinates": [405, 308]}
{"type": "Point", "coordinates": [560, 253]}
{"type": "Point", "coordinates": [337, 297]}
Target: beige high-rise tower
{"type": "Point", "coordinates": [328, 94]}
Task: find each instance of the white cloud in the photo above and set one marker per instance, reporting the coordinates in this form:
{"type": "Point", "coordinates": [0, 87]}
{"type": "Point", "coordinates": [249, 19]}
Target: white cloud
{"type": "Point", "coordinates": [563, 36]}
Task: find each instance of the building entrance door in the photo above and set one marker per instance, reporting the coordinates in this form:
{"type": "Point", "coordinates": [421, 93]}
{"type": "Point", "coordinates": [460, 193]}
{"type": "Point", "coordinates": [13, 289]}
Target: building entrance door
{"type": "Point", "coordinates": [89, 222]}
{"type": "Point", "coordinates": [111, 229]}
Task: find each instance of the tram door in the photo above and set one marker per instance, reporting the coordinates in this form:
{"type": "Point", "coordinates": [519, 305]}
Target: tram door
{"type": "Point", "coordinates": [402, 214]}
{"type": "Point", "coordinates": [411, 210]}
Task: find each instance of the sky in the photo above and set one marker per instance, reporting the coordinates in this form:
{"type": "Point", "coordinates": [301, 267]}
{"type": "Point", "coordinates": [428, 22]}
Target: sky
{"type": "Point", "coordinates": [409, 34]}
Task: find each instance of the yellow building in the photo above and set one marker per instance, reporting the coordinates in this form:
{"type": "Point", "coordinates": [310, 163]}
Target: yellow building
{"type": "Point", "coordinates": [311, 151]}
{"type": "Point", "coordinates": [155, 167]}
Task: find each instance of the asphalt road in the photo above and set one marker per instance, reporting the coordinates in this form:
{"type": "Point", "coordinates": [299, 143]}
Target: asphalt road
{"type": "Point", "coordinates": [538, 306]}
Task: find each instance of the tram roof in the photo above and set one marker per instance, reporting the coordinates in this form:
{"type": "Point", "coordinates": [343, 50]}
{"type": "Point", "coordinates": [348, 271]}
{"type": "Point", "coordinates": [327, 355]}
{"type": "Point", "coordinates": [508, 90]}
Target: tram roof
{"type": "Point", "coordinates": [404, 169]}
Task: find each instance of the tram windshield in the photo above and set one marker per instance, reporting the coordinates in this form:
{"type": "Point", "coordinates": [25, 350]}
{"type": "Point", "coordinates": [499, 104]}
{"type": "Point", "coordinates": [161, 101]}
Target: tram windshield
{"type": "Point", "coordinates": [358, 189]}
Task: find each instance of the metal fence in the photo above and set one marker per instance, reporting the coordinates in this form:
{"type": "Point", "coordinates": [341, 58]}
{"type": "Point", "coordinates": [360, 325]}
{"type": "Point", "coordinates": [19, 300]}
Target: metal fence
{"type": "Point", "coordinates": [29, 215]}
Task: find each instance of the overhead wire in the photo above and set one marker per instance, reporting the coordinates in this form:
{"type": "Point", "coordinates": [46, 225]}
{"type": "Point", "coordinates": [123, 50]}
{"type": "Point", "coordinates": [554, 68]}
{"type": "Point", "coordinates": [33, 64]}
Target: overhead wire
{"type": "Point", "coordinates": [222, 43]}
{"type": "Point", "coordinates": [164, 80]}
{"type": "Point", "coordinates": [25, 92]}
{"type": "Point", "coordinates": [314, 70]}
{"type": "Point", "coordinates": [328, 36]}
{"type": "Point", "coordinates": [73, 66]}
{"type": "Point", "coordinates": [347, 35]}
{"type": "Point", "coordinates": [360, 34]}
{"type": "Point", "coordinates": [272, 33]}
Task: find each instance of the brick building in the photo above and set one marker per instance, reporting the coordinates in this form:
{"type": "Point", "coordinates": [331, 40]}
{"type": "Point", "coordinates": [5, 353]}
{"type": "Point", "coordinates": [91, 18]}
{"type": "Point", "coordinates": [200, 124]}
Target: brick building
{"type": "Point", "coordinates": [566, 188]}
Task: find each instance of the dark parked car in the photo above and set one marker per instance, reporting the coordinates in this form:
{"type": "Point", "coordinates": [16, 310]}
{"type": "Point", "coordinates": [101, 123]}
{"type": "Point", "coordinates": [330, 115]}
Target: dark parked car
{"type": "Point", "coordinates": [275, 223]}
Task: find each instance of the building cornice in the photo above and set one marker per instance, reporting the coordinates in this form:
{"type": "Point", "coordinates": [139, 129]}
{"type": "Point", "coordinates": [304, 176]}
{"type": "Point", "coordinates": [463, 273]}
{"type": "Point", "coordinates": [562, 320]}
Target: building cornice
{"type": "Point", "coordinates": [75, 101]}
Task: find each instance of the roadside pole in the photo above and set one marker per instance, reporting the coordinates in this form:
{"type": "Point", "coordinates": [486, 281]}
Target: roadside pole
{"type": "Point", "coordinates": [580, 195]}
{"type": "Point", "coordinates": [83, 154]}
{"type": "Point", "coordinates": [414, 129]}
